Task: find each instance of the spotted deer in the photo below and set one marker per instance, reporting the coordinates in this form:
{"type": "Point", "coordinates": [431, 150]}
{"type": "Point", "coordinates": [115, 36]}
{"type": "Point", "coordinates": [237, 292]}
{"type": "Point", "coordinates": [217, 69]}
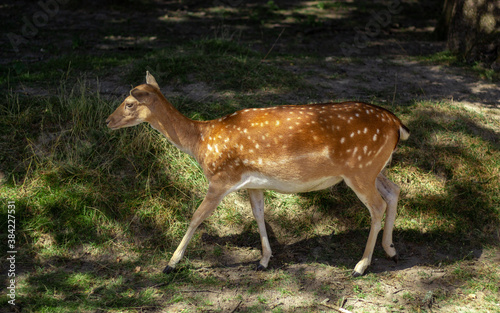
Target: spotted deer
{"type": "Point", "coordinates": [289, 149]}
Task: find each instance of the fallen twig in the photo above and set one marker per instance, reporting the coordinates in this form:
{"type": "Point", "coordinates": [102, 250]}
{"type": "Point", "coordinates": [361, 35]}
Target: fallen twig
{"type": "Point", "coordinates": [272, 47]}
{"type": "Point", "coordinates": [237, 306]}
{"type": "Point", "coordinates": [157, 285]}
{"type": "Point", "coordinates": [199, 291]}
{"type": "Point", "coordinates": [334, 307]}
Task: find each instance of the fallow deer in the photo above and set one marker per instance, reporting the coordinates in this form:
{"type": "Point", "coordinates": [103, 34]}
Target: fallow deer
{"type": "Point", "coordinates": [289, 149]}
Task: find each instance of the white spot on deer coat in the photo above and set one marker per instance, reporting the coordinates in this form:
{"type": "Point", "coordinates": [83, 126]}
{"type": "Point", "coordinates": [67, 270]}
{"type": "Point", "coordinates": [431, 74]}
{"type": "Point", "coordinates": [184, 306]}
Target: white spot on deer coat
{"type": "Point", "coordinates": [355, 150]}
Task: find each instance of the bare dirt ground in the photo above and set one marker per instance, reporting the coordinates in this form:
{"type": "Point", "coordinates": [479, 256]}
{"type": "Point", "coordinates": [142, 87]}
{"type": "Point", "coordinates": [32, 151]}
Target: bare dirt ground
{"type": "Point", "coordinates": [388, 70]}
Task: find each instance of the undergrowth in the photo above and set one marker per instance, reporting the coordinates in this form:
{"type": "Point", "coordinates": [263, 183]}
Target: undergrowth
{"type": "Point", "coordinates": [99, 211]}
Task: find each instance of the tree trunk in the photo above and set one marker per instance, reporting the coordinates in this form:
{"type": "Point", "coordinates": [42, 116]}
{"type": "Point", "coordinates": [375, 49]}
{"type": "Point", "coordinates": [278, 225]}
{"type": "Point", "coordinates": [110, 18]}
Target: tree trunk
{"type": "Point", "coordinates": [472, 29]}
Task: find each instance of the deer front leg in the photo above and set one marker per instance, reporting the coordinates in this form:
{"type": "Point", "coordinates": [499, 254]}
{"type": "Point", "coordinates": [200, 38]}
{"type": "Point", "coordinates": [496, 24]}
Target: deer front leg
{"type": "Point", "coordinates": [209, 204]}
{"type": "Point", "coordinates": [257, 202]}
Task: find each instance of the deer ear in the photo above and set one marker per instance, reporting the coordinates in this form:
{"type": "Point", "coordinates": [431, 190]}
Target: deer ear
{"type": "Point", "coordinates": [150, 80]}
{"type": "Point", "coordinates": [141, 95]}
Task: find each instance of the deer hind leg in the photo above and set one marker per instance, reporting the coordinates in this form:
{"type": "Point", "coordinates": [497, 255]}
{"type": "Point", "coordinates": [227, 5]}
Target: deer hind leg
{"type": "Point", "coordinates": [390, 193]}
{"type": "Point", "coordinates": [209, 204]}
{"type": "Point", "coordinates": [369, 195]}
{"type": "Point", "coordinates": [257, 202]}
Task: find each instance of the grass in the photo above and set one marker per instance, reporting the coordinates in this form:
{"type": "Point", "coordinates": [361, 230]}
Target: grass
{"type": "Point", "coordinates": [56, 71]}
{"type": "Point", "coordinates": [99, 212]}
{"type": "Point", "coordinates": [225, 64]}
{"type": "Point", "coordinates": [448, 58]}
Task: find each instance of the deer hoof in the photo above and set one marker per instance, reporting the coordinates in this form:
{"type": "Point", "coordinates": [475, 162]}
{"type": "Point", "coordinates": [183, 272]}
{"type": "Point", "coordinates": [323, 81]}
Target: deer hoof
{"type": "Point", "coordinates": [356, 274]}
{"type": "Point", "coordinates": [261, 267]}
{"type": "Point", "coordinates": [395, 259]}
{"type": "Point", "coordinates": [168, 269]}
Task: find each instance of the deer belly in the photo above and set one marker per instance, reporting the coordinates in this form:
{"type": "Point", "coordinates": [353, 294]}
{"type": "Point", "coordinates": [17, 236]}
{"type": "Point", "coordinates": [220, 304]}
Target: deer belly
{"type": "Point", "coordinates": [260, 181]}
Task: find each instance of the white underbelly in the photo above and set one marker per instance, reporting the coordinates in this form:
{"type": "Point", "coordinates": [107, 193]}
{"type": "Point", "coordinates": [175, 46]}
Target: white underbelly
{"type": "Point", "coordinates": [259, 181]}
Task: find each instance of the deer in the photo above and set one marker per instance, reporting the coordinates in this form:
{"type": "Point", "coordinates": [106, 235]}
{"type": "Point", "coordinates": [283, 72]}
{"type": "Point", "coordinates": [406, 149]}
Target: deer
{"type": "Point", "coordinates": [288, 149]}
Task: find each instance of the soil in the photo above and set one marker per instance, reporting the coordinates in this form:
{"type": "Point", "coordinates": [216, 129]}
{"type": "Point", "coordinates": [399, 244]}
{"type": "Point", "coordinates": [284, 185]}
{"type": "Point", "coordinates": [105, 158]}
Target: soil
{"type": "Point", "coordinates": [388, 69]}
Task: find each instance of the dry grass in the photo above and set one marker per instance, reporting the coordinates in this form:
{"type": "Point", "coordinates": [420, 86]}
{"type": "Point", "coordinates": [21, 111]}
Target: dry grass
{"type": "Point", "coordinates": [99, 209]}
{"type": "Point", "coordinates": [100, 212]}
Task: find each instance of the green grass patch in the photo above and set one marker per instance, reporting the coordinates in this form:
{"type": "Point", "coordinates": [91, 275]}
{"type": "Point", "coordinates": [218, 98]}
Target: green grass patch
{"type": "Point", "coordinates": [453, 173]}
{"type": "Point", "coordinates": [54, 71]}
{"type": "Point", "coordinates": [99, 212]}
{"type": "Point", "coordinates": [224, 64]}
{"type": "Point", "coordinates": [449, 59]}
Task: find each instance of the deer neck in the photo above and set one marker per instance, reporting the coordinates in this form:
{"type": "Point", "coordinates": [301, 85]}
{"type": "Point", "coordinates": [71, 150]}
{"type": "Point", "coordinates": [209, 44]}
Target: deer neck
{"type": "Point", "coordinates": [181, 131]}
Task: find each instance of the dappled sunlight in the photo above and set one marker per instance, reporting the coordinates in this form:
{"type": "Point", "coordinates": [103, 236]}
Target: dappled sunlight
{"type": "Point", "coordinates": [123, 218]}
{"type": "Point", "coordinates": [422, 183]}
{"type": "Point", "coordinates": [100, 212]}
{"type": "Point", "coordinates": [113, 42]}
{"type": "Point", "coordinates": [452, 170]}
{"type": "Point", "coordinates": [400, 81]}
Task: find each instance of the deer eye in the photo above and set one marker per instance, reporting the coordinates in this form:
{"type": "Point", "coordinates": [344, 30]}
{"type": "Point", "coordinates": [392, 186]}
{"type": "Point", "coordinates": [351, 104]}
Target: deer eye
{"type": "Point", "coordinates": [129, 105]}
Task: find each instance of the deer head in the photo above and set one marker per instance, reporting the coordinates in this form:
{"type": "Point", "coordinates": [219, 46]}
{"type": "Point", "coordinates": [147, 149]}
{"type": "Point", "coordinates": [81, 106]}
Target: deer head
{"type": "Point", "coordinates": [136, 108]}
